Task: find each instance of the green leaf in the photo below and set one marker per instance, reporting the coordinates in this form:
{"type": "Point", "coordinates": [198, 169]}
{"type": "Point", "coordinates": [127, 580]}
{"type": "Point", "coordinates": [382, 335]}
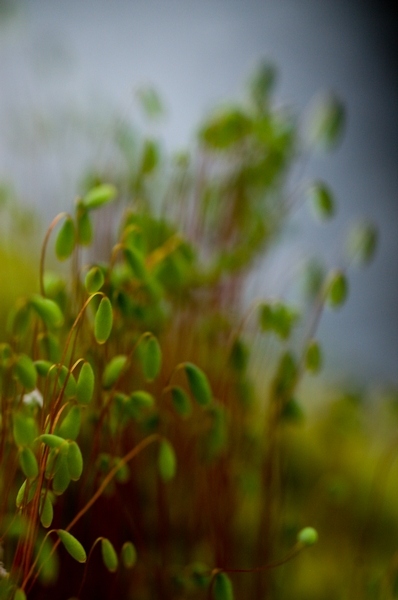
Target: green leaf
{"type": "Point", "coordinates": [99, 196]}
{"type": "Point", "coordinates": [261, 85]}
{"type": "Point", "coordinates": [327, 122]}
{"type": "Point", "coordinates": [65, 375]}
{"type": "Point", "coordinates": [308, 536]}
{"type": "Point", "coordinates": [24, 429]}
{"type": "Point", "coordinates": [70, 426]}
{"type": "Point", "coordinates": [128, 555]}
{"type": "Point", "coordinates": [239, 356]}
{"type": "Point", "coordinates": [42, 367]}
{"type": "Point", "coordinates": [51, 440]}
{"type": "Point", "coordinates": [225, 129]}
{"type": "Point", "coordinates": [94, 280]}
{"type": "Point", "coordinates": [198, 384]}
{"type": "Point", "coordinates": [321, 198]}
{"type": "Point", "coordinates": [75, 461]}
{"type": "Point", "coordinates": [150, 102]}
{"type": "Point", "coordinates": [222, 587]}
{"type": "Point", "coordinates": [103, 321]}
{"type": "Point", "coordinates": [109, 555]}
{"type": "Point", "coordinates": [136, 263]}
{"type": "Point", "coordinates": [62, 476]}
{"type": "Point", "coordinates": [21, 492]}
{"type": "Point", "coordinates": [65, 242]}
{"type": "Point", "coordinates": [150, 157]}
{"type": "Point", "coordinates": [286, 375]}
{"type": "Point", "coordinates": [46, 511]}
{"type": "Point", "coordinates": [279, 318]}
{"type": "Point", "coordinates": [25, 372]}
{"type": "Point", "coordinates": [19, 594]}
{"type": "Point", "coordinates": [337, 289]}
{"type": "Point", "coordinates": [362, 243]}
{"type": "Point", "coordinates": [84, 227]}
{"type": "Point", "coordinates": [181, 401]}
{"type": "Point", "coordinates": [48, 310]}
{"type": "Point", "coordinates": [313, 357]}
{"type": "Point", "coordinates": [28, 463]}
{"type": "Point", "coordinates": [72, 545]}
{"type": "Point", "coordinates": [85, 384]}
{"type": "Point", "coordinates": [166, 461]}
{"type": "Point", "coordinates": [113, 370]}
{"type": "Point", "coordinates": [151, 358]}
{"type": "Point", "coordinates": [141, 399]}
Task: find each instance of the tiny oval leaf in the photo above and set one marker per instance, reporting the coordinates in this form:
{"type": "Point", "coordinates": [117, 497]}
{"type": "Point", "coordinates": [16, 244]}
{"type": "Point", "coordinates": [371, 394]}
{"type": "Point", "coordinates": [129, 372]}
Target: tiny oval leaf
{"type": "Point", "coordinates": [66, 238]}
{"type": "Point", "coordinates": [103, 321]}
{"type": "Point", "coordinates": [109, 555]}
{"type": "Point", "coordinates": [72, 545]}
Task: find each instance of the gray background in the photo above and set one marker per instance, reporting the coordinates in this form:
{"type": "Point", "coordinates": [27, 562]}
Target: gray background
{"type": "Point", "coordinates": [65, 67]}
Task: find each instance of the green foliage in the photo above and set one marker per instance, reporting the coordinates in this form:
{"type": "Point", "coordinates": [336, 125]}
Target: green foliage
{"type": "Point", "coordinates": [103, 321]}
{"type": "Point", "coordinates": [101, 392]}
{"type": "Point", "coordinates": [72, 545]}
{"type": "Point", "coordinates": [166, 461]}
{"type": "Point", "coordinates": [128, 555]}
{"type": "Point", "coordinates": [222, 589]}
{"type": "Point", "coordinates": [198, 384]}
{"type": "Point", "coordinates": [85, 384]}
{"type": "Point", "coordinates": [109, 555]}
{"type": "Point", "coordinates": [65, 241]}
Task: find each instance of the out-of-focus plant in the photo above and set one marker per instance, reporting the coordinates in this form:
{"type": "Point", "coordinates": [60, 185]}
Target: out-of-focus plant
{"type": "Point", "coordinates": [133, 433]}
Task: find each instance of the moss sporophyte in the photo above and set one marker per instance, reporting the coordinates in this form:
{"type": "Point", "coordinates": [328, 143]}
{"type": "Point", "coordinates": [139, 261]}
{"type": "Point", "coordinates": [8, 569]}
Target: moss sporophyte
{"type": "Point", "coordinates": [134, 428]}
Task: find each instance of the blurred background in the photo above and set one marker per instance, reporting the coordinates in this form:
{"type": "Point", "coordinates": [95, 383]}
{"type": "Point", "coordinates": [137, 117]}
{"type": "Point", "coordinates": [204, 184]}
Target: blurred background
{"type": "Point", "coordinates": [68, 72]}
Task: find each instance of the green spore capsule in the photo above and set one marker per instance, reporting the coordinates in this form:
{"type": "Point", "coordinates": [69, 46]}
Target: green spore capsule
{"type": "Point", "coordinates": [109, 555]}
{"type": "Point", "coordinates": [113, 370]}
{"type": "Point", "coordinates": [307, 536]}
{"type": "Point", "coordinates": [128, 555]}
{"type": "Point", "coordinates": [141, 400]}
{"type": "Point", "coordinates": [103, 321]}
{"type": "Point", "coordinates": [327, 122]}
{"type": "Point", "coordinates": [28, 463]}
{"type": "Point", "coordinates": [198, 384]}
{"type": "Point", "coordinates": [49, 347]}
{"type": "Point", "coordinates": [136, 263]}
{"type": "Point", "coordinates": [25, 372]}
{"type": "Point", "coordinates": [321, 199]}
{"type": "Point", "coordinates": [51, 440]}
{"type": "Point", "coordinates": [167, 463]}
{"type": "Point", "coordinates": [222, 587]}
{"type": "Point", "coordinates": [94, 280]}
{"type": "Point", "coordinates": [75, 461]}
{"type": "Point", "coordinates": [362, 243]}
{"type": "Point", "coordinates": [99, 196]}
{"type": "Point", "coordinates": [337, 289]}
{"type": "Point", "coordinates": [42, 367]}
{"type": "Point", "coordinates": [65, 375]}
{"type": "Point", "coordinates": [66, 238]}
{"type": "Point", "coordinates": [70, 426]}
{"type": "Point", "coordinates": [151, 358]}
{"type": "Point", "coordinates": [85, 384]}
{"type": "Point", "coordinates": [19, 594]}
{"type": "Point", "coordinates": [313, 357]}
{"type": "Point", "coordinates": [46, 511]}
{"type": "Point", "coordinates": [24, 429]}
{"type": "Point", "coordinates": [62, 476]}
{"type": "Point", "coordinates": [48, 310]}
{"type": "Point", "coordinates": [181, 401]}
{"type": "Point", "coordinates": [84, 227]}
{"type": "Point", "coordinates": [72, 545]}
{"type": "Point", "coordinates": [21, 493]}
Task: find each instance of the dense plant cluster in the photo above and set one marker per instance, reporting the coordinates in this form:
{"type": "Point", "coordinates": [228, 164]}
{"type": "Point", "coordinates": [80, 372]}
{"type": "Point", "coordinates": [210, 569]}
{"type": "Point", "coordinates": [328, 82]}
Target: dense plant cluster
{"type": "Point", "coordinates": [134, 438]}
